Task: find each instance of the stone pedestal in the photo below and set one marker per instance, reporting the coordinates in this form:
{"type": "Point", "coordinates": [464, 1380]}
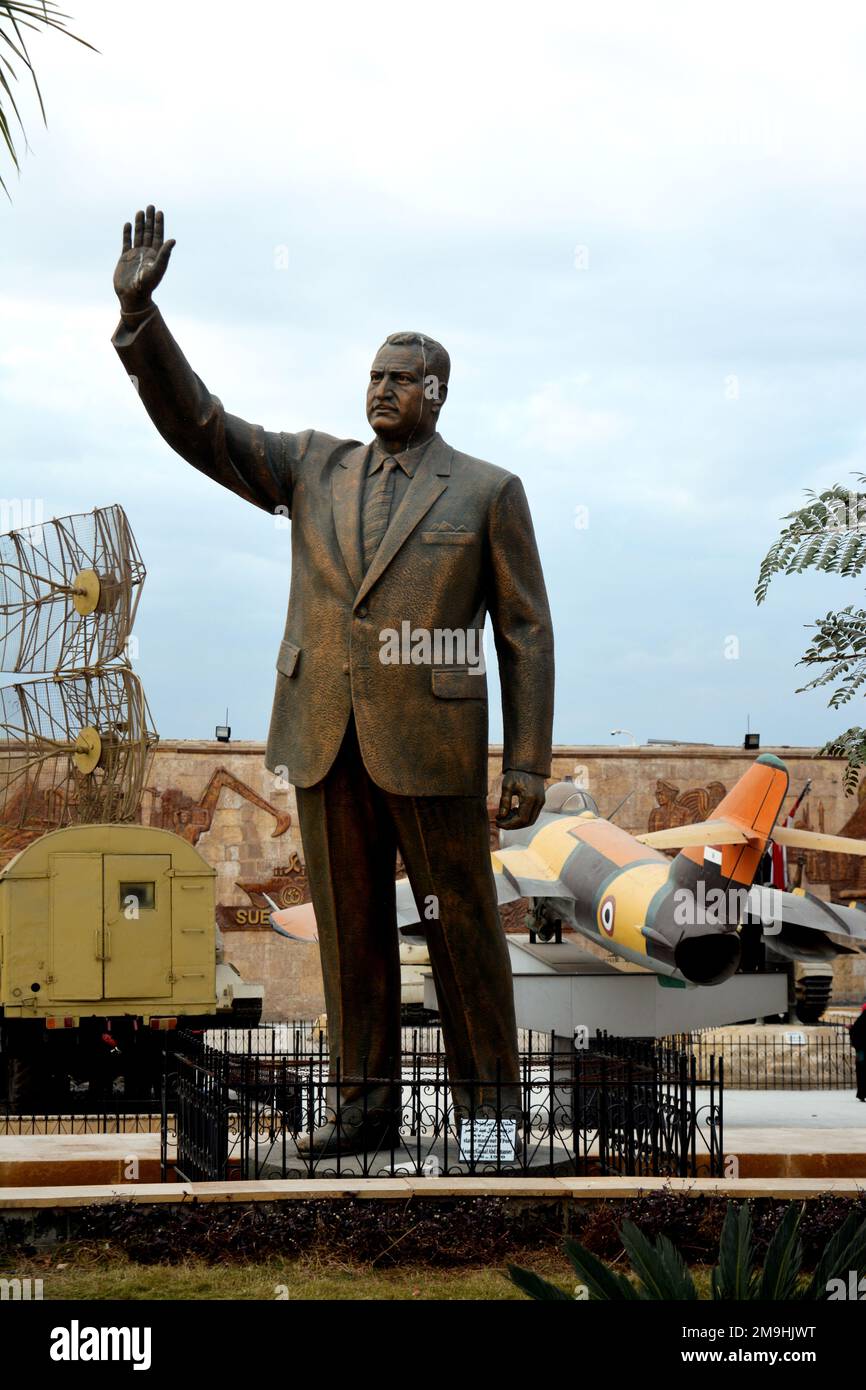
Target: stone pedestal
{"type": "Point", "coordinates": [418, 1155]}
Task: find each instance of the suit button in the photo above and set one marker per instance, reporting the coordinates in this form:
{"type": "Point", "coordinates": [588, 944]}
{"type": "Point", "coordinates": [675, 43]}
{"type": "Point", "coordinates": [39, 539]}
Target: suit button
{"type": "Point", "coordinates": [362, 611]}
{"type": "Point", "coordinates": [345, 668]}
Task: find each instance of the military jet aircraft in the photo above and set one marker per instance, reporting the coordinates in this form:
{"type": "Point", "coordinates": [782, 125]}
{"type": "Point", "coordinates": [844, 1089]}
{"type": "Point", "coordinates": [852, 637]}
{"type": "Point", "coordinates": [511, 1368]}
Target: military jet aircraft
{"type": "Point", "coordinates": [684, 918]}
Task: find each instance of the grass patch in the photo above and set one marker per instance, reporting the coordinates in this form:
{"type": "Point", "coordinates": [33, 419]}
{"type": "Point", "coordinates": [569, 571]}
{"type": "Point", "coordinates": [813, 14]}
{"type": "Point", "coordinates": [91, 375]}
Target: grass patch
{"type": "Point", "coordinates": [91, 1274]}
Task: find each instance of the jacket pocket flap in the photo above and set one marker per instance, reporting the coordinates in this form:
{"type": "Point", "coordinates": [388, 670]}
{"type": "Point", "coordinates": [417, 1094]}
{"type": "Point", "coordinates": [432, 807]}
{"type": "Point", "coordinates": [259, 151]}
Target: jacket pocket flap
{"type": "Point", "coordinates": [458, 685]}
{"type": "Point", "coordinates": [287, 658]}
{"type": "Point", "coordinates": [448, 537]}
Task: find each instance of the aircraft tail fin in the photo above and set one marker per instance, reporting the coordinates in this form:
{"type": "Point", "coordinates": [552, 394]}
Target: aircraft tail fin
{"type": "Point", "coordinates": [751, 808]}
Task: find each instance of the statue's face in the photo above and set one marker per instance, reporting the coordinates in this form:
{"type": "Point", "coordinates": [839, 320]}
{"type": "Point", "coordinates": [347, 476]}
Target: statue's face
{"type": "Point", "coordinates": [398, 405]}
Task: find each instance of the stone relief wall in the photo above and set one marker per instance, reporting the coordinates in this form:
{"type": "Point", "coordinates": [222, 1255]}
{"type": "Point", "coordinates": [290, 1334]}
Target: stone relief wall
{"type": "Point", "coordinates": [221, 798]}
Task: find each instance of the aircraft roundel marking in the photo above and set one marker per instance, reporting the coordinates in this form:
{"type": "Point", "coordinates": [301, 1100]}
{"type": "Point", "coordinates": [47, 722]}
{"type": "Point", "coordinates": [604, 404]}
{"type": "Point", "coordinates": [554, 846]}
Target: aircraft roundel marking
{"type": "Point", "coordinates": [607, 914]}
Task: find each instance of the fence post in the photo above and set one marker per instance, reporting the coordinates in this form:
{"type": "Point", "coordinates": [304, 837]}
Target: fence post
{"type": "Point", "coordinates": [163, 1123]}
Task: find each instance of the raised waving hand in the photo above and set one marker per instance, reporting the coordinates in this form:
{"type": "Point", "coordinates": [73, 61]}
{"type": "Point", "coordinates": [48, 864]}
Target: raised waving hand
{"type": "Point", "coordinates": [143, 260]}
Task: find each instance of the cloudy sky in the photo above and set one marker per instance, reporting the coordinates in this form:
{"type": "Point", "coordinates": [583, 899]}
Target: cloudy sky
{"type": "Point", "coordinates": [638, 229]}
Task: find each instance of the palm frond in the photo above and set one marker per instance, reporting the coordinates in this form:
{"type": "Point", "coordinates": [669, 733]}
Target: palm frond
{"type": "Point", "coordinates": [19, 15]}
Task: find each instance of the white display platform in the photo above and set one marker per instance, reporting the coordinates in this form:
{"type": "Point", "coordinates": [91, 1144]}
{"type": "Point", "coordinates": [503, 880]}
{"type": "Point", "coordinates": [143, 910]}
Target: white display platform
{"type": "Point", "coordinates": [563, 988]}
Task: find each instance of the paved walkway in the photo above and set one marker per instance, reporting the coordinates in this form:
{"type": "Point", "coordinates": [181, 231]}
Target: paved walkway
{"type": "Point", "coordinates": [793, 1110]}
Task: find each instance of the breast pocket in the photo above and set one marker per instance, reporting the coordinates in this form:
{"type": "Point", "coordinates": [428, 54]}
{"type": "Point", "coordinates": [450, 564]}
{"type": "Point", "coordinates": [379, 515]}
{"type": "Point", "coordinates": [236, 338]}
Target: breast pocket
{"type": "Point", "coordinates": [450, 684]}
{"type": "Point", "coordinates": [448, 537]}
{"type": "Point", "coordinates": [287, 658]}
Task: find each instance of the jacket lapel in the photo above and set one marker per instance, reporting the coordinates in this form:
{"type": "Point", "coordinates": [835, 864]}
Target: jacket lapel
{"type": "Point", "coordinates": [429, 482]}
{"type": "Point", "coordinates": [346, 491]}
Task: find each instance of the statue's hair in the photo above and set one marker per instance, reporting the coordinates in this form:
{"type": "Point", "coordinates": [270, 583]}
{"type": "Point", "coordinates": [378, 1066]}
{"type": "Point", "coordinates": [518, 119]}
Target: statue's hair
{"type": "Point", "coordinates": [436, 359]}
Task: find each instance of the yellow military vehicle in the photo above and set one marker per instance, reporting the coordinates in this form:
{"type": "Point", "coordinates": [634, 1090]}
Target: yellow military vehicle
{"type": "Point", "coordinates": [108, 940]}
{"type": "Point", "coordinates": [108, 935]}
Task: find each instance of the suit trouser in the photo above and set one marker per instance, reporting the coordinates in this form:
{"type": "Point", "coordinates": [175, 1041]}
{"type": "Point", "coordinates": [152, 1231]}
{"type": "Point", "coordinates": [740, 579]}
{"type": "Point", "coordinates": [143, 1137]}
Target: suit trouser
{"type": "Point", "coordinates": [351, 830]}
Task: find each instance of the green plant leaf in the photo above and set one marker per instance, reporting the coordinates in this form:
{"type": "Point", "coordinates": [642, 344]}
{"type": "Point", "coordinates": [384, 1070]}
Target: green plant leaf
{"type": "Point", "coordinates": [783, 1259]}
{"type": "Point", "coordinates": [536, 1286]}
{"type": "Point", "coordinates": [827, 534]}
{"type": "Point", "coordinates": [733, 1277]}
{"type": "Point", "coordinates": [660, 1268]}
{"type": "Point", "coordinates": [605, 1285]}
{"type": "Point", "coordinates": [844, 1252]}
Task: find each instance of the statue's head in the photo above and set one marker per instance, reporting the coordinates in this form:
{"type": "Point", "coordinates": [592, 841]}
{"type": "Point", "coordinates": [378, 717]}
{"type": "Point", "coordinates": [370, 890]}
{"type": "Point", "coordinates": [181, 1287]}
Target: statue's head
{"type": "Point", "coordinates": [407, 388]}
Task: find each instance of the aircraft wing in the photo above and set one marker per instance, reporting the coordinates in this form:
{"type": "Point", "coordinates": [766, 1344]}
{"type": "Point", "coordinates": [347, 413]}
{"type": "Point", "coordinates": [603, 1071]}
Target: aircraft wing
{"type": "Point", "coordinates": [526, 875]}
{"type": "Point", "coordinates": [407, 911]}
{"type": "Point", "coordinates": [705, 832]}
{"type": "Point", "coordinates": [725, 832]}
{"type": "Point", "coordinates": [803, 909]}
{"type": "Point", "coordinates": [294, 923]}
{"type": "Point", "coordinates": [299, 923]}
{"type": "Point", "coordinates": [816, 839]}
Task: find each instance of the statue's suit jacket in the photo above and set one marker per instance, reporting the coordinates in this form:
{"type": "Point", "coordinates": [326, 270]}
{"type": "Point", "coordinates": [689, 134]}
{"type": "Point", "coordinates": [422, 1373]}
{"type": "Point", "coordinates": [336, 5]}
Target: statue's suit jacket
{"type": "Point", "coordinates": [460, 545]}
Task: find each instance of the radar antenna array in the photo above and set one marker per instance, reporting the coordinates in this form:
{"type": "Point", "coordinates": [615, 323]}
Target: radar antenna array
{"type": "Point", "coordinates": [74, 744]}
{"type": "Point", "coordinates": [69, 590]}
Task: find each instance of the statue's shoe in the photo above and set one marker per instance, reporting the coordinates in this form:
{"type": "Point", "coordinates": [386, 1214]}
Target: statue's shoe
{"type": "Point", "coordinates": [329, 1140]}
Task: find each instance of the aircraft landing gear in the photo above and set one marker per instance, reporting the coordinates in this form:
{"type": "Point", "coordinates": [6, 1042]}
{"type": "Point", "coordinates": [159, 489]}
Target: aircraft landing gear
{"type": "Point", "coordinates": [543, 926]}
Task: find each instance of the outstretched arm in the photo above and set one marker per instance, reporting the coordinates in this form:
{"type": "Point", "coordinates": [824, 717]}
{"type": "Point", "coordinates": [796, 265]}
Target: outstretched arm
{"type": "Point", "coordinates": [257, 464]}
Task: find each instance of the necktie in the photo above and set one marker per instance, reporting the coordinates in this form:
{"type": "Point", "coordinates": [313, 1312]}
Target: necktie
{"type": "Point", "coordinates": [377, 511]}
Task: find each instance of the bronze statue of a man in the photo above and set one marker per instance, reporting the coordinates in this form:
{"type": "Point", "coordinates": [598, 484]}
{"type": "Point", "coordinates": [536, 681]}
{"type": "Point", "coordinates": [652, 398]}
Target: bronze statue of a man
{"type": "Point", "coordinates": [402, 535]}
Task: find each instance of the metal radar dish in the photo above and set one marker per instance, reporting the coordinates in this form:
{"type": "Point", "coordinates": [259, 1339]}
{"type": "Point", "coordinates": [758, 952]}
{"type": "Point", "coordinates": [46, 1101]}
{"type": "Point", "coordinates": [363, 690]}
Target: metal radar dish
{"type": "Point", "coordinates": [74, 745]}
{"type": "Point", "coordinates": [69, 590]}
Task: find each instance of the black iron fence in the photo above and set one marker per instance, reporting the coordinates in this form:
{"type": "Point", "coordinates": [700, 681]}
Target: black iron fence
{"type": "Point", "coordinates": [265, 1104]}
{"type": "Point", "coordinates": [805, 1059]}
{"type": "Point", "coordinates": [814, 1057]}
{"type": "Point", "coordinates": [145, 1117]}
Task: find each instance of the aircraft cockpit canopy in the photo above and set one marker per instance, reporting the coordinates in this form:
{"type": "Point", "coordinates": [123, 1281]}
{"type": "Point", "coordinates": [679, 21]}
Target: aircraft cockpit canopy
{"type": "Point", "coordinates": [569, 799]}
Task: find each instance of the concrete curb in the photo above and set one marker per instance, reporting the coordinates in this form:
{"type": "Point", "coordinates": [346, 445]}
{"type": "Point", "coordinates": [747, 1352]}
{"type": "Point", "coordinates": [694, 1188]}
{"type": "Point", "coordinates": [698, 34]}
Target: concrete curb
{"type": "Point", "coordinates": [403, 1189]}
